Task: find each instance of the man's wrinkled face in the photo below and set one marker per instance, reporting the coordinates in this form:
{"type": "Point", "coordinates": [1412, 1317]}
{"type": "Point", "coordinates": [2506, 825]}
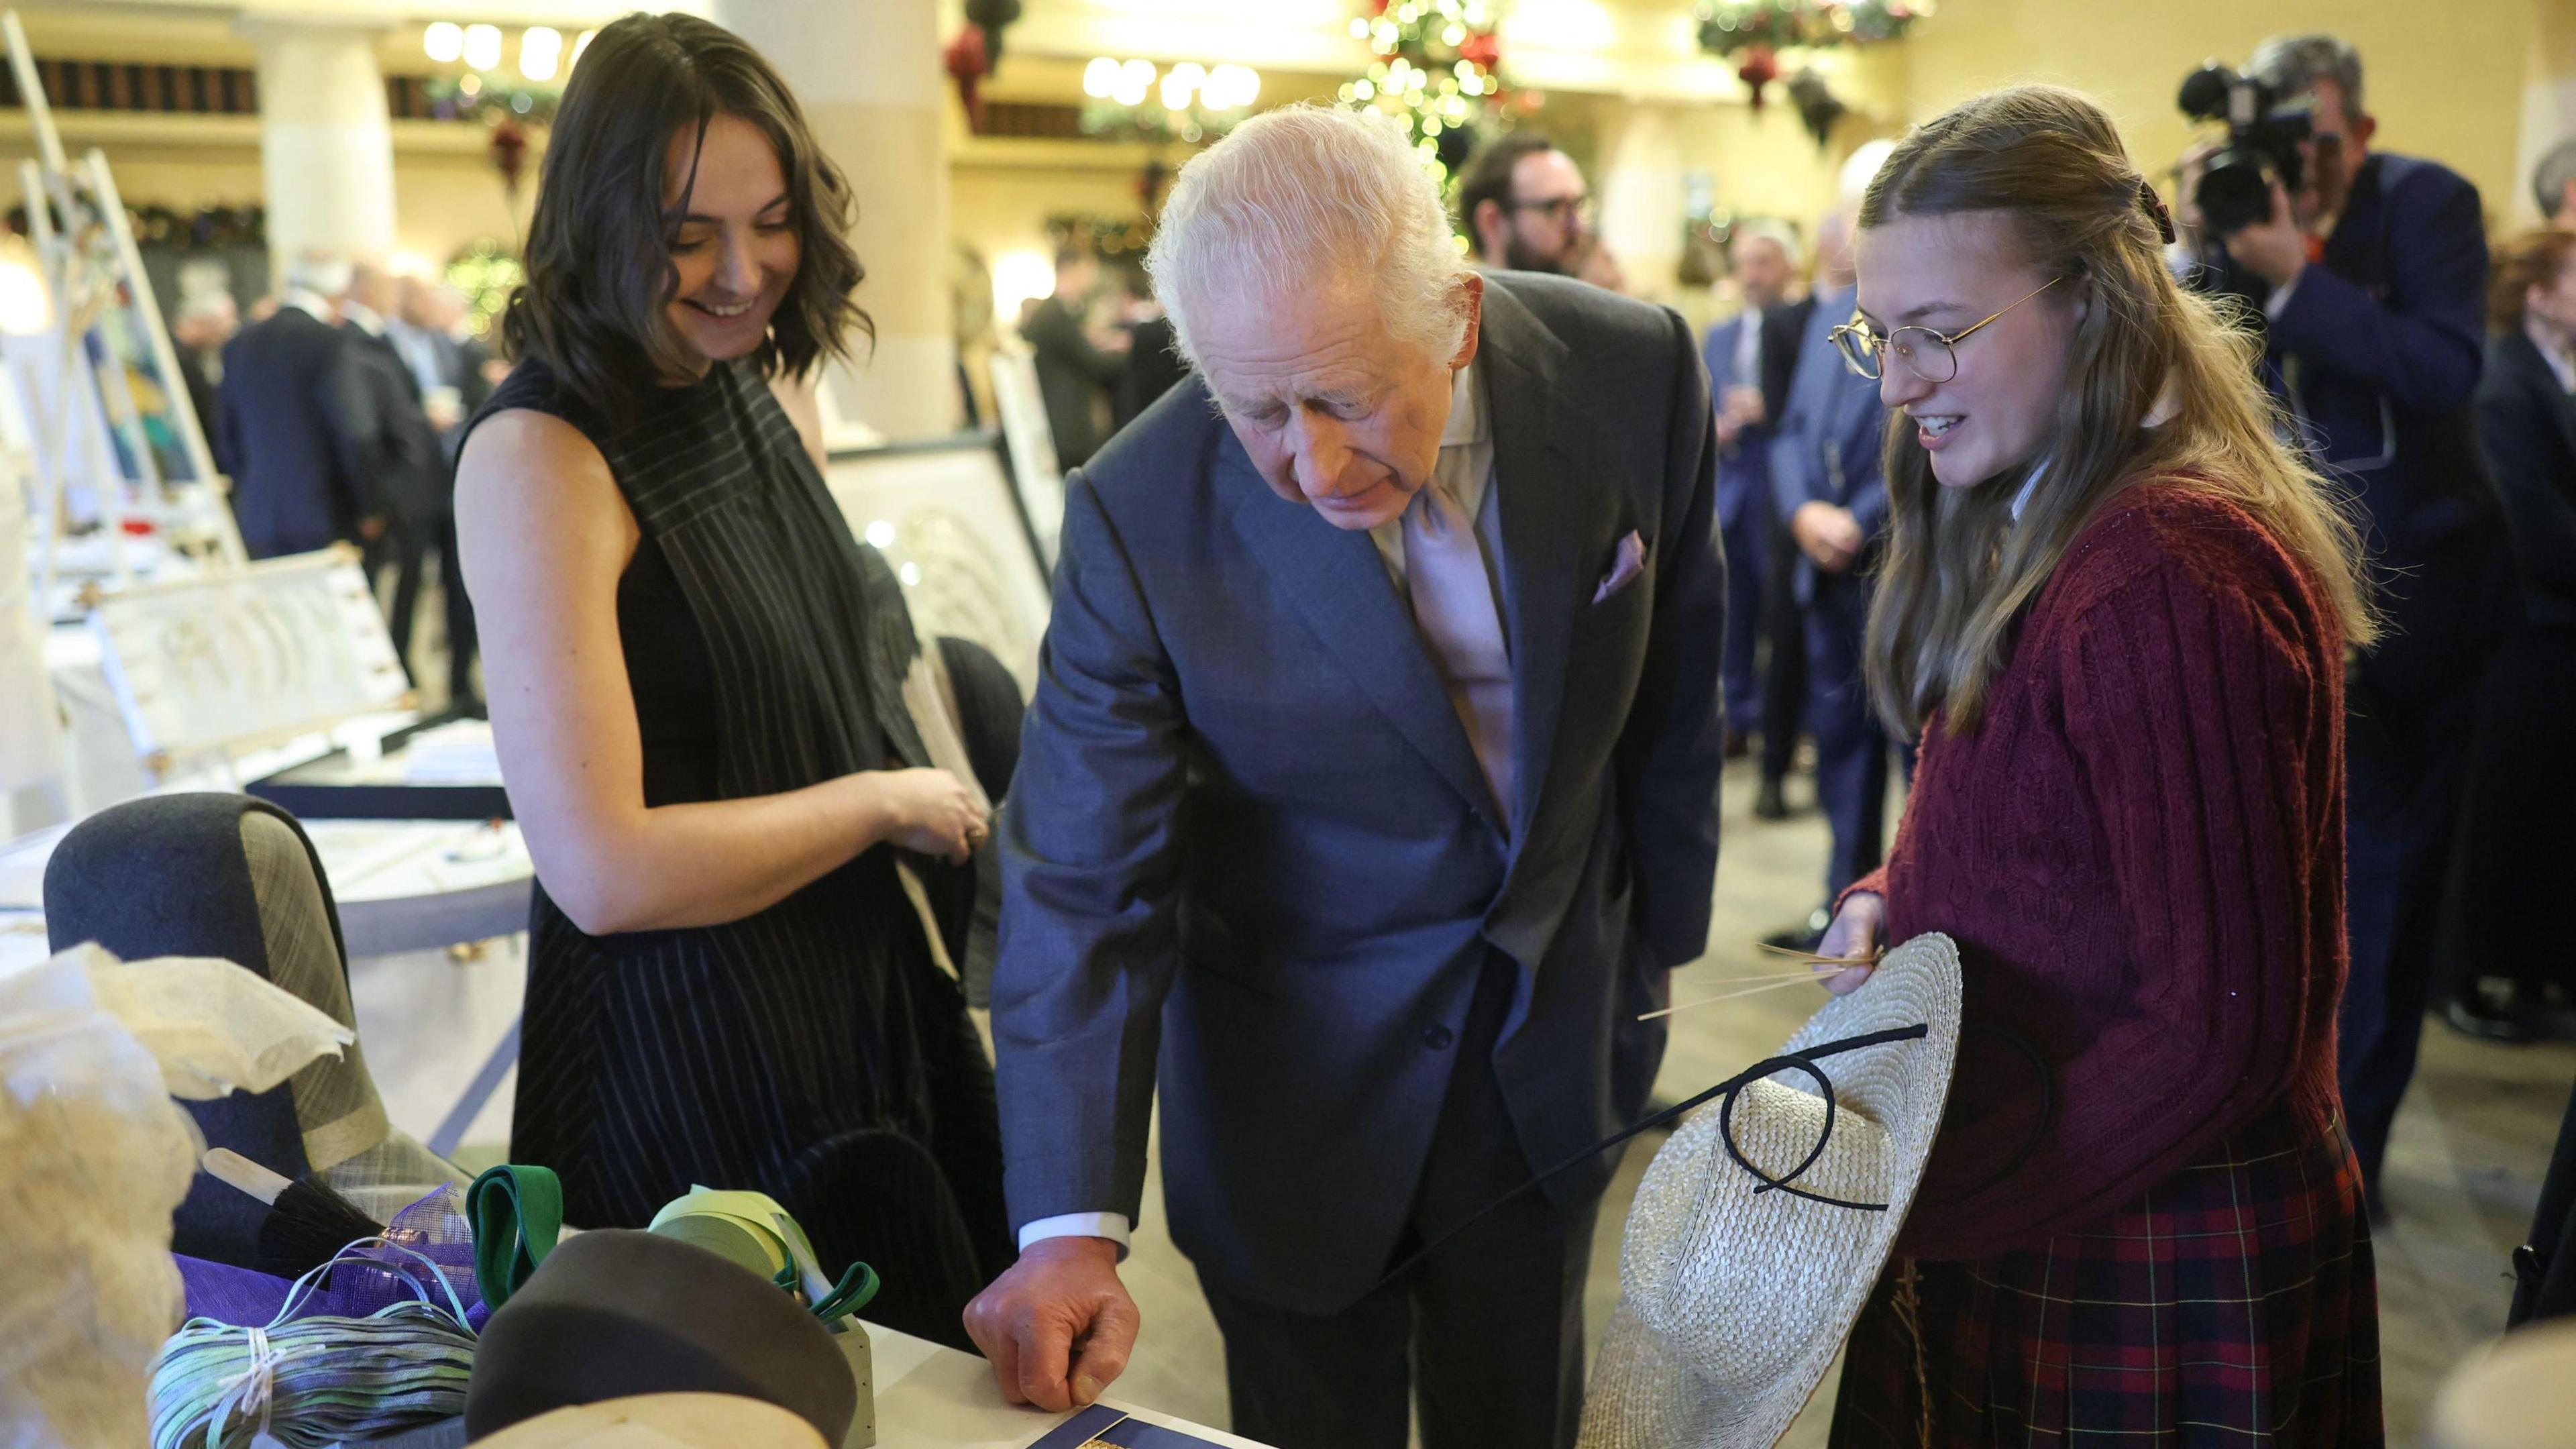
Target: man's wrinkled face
{"type": "Point", "coordinates": [1334, 411]}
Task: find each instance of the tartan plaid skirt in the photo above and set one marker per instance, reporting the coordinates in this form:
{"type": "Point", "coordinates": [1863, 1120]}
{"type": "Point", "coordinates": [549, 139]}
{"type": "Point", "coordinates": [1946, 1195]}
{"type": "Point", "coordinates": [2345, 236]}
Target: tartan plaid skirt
{"type": "Point", "coordinates": [2233, 1304]}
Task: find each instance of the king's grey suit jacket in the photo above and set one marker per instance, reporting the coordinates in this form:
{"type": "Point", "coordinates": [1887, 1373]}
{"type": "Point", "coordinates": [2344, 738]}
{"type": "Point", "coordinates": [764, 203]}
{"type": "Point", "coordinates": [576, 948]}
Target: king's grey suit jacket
{"type": "Point", "coordinates": [1248, 852]}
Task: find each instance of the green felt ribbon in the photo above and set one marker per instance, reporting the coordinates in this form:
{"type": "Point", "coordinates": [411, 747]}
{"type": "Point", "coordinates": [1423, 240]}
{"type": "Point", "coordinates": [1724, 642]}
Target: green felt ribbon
{"type": "Point", "coordinates": [517, 1213]}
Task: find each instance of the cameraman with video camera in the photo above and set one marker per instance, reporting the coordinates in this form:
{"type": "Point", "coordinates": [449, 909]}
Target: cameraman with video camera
{"type": "Point", "coordinates": [2366, 273]}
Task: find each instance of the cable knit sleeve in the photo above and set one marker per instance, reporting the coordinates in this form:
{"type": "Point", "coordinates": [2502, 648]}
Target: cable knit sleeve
{"type": "Point", "coordinates": [2203, 736]}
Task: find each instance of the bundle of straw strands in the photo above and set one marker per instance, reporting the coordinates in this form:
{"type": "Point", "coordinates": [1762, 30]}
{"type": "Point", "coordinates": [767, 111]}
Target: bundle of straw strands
{"type": "Point", "coordinates": [311, 1382]}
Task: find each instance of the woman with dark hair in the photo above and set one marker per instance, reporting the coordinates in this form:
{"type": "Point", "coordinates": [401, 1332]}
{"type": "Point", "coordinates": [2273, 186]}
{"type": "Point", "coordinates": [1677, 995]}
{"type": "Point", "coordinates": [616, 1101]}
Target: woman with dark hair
{"type": "Point", "coordinates": [2115, 607]}
{"type": "Point", "coordinates": [748, 880]}
{"type": "Point", "coordinates": [2514, 868]}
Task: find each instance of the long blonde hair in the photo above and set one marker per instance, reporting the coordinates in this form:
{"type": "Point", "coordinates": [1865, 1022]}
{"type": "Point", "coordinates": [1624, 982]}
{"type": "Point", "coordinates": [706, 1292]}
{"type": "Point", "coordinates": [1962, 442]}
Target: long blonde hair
{"type": "Point", "coordinates": [1959, 567]}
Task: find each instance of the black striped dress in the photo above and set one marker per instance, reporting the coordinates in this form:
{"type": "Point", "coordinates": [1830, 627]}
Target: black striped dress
{"type": "Point", "coordinates": [814, 1050]}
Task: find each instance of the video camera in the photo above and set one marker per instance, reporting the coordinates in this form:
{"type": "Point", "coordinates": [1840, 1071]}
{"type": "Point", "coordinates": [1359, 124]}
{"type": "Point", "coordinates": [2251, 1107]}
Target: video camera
{"type": "Point", "coordinates": [2263, 136]}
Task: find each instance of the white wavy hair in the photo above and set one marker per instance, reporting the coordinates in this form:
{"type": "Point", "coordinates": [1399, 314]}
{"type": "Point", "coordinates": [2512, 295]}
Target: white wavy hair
{"type": "Point", "coordinates": [1297, 199]}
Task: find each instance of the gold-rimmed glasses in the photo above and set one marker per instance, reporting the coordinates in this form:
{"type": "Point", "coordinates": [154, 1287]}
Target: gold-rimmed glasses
{"type": "Point", "coordinates": [1930, 355]}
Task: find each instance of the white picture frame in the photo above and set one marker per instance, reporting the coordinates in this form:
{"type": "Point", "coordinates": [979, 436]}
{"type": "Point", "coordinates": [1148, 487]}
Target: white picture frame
{"type": "Point", "coordinates": [1036, 475]}
{"type": "Point", "coordinates": [943, 515]}
{"type": "Point", "coordinates": [238, 659]}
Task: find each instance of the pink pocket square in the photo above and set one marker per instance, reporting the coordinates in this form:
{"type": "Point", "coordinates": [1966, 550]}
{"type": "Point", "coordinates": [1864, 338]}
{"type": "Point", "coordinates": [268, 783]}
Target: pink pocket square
{"type": "Point", "coordinates": [1625, 568]}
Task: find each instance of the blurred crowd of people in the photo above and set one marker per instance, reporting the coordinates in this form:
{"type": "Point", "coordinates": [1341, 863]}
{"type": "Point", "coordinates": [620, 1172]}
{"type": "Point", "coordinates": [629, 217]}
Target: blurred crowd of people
{"type": "Point", "coordinates": [336, 412]}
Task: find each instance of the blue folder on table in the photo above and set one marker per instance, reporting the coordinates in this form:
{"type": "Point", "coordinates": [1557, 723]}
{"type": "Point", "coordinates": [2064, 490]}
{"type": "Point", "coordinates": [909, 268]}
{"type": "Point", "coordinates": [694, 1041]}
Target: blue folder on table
{"type": "Point", "coordinates": [1100, 1424]}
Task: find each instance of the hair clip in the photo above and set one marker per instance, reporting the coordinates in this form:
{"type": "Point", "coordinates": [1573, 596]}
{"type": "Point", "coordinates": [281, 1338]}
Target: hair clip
{"type": "Point", "coordinates": [2155, 205]}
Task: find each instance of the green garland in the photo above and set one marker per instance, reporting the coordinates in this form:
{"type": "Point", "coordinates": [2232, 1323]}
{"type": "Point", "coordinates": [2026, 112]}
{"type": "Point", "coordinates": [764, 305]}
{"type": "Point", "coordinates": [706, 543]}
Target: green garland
{"type": "Point", "coordinates": [485, 271]}
{"type": "Point", "coordinates": [1729, 26]}
{"type": "Point", "coordinates": [1433, 72]}
{"type": "Point", "coordinates": [491, 99]}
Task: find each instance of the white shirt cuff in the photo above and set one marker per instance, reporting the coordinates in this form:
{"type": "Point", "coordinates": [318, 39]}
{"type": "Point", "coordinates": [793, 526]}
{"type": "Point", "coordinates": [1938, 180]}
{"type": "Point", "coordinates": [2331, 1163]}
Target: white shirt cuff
{"type": "Point", "coordinates": [2280, 298]}
{"type": "Point", "coordinates": [1112, 1226]}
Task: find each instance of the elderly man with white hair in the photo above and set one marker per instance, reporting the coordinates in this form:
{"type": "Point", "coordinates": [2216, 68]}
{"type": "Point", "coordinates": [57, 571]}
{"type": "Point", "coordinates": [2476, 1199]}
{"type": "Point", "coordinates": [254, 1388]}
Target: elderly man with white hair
{"type": "Point", "coordinates": [1368, 795]}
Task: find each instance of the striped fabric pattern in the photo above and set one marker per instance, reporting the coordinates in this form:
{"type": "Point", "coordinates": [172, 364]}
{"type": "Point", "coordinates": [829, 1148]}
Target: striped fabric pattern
{"type": "Point", "coordinates": [774, 1051]}
{"type": "Point", "coordinates": [2233, 1304]}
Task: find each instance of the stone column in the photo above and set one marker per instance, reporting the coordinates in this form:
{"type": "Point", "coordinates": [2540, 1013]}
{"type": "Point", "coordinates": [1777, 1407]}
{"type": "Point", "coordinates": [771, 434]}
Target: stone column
{"type": "Point", "coordinates": [326, 144]}
{"type": "Point", "coordinates": [1642, 195]}
{"type": "Point", "coordinates": [870, 79]}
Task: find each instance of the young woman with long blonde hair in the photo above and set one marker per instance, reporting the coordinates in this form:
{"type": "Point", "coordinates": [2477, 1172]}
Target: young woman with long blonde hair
{"type": "Point", "coordinates": [2116, 608]}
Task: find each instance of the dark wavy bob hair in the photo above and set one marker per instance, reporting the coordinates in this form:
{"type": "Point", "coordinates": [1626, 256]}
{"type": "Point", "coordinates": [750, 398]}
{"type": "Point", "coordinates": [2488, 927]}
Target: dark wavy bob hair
{"type": "Point", "coordinates": [600, 276]}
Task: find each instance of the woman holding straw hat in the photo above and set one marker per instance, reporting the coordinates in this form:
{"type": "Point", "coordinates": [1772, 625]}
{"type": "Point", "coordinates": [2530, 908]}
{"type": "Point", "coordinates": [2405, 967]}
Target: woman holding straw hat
{"type": "Point", "coordinates": [2116, 608]}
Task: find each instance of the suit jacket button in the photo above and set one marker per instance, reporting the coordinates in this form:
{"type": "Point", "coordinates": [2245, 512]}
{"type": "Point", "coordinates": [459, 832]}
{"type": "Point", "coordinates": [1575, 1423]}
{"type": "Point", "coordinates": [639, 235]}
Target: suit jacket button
{"type": "Point", "coordinates": [1438, 1038]}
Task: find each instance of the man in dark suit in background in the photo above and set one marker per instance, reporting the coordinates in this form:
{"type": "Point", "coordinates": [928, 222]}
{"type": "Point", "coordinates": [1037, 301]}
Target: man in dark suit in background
{"type": "Point", "coordinates": [199, 330]}
{"type": "Point", "coordinates": [449, 368]}
{"type": "Point", "coordinates": [1153, 368]}
{"type": "Point", "coordinates": [2515, 865]}
{"type": "Point", "coordinates": [1827, 483]}
{"type": "Point", "coordinates": [1368, 795]}
{"type": "Point", "coordinates": [2369, 283]}
{"type": "Point", "coordinates": [385, 436]}
{"type": "Point", "coordinates": [1076, 367]}
{"type": "Point", "coordinates": [293, 491]}
{"type": "Point", "coordinates": [1751, 357]}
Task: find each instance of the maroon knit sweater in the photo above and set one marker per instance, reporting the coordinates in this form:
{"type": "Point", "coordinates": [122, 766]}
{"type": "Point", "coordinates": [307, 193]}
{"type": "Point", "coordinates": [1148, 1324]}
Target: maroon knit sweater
{"type": "Point", "coordinates": [2140, 854]}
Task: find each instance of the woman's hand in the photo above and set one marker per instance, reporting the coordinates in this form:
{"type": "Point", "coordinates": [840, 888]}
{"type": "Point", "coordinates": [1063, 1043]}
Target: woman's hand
{"type": "Point", "coordinates": [929, 812]}
{"type": "Point", "coordinates": [1855, 932]}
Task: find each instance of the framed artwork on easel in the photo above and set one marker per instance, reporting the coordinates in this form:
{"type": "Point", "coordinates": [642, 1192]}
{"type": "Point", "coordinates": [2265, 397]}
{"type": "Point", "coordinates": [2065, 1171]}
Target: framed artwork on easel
{"type": "Point", "coordinates": [117, 412]}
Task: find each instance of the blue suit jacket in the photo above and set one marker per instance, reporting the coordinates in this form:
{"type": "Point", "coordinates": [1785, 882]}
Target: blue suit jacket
{"type": "Point", "coordinates": [2377, 353]}
{"type": "Point", "coordinates": [276, 428]}
{"type": "Point", "coordinates": [1249, 854]}
{"type": "Point", "coordinates": [1831, 435]}
{"type": "Point", "coordinates": [2379, 347]}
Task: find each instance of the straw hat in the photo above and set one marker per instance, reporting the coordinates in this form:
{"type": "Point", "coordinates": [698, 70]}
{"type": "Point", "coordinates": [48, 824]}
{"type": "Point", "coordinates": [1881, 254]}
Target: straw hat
{"type": "Point", "coordinates": [1734, 1299]}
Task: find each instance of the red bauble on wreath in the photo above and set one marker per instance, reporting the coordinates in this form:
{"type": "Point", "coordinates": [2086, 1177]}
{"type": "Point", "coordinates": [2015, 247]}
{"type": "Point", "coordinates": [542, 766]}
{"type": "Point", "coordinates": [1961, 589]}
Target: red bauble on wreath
{"type": "Point", "coordinates": [510, 154]}
{"type": "Point", "coordinates": [1761, 66]}
{"type": "Point", "coordinates": [968, 62]}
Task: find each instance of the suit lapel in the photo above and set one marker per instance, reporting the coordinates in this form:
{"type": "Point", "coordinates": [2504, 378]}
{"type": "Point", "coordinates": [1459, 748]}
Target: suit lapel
{"type": "Point", "coordinates": [1340, 584]}
{"type": "Point", "coordinates": [1538, 451]}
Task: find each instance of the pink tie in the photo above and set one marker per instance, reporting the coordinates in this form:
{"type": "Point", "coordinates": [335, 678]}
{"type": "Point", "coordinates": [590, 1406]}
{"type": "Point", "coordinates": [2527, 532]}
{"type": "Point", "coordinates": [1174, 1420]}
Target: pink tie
{"type": "Point", "coordinates": [1453, 605]}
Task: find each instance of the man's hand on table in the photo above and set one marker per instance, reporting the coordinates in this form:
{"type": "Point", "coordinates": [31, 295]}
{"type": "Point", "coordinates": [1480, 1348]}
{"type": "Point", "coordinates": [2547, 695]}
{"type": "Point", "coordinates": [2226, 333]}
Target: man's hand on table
{"type": "Point", "coordinates": [1059, 1325]}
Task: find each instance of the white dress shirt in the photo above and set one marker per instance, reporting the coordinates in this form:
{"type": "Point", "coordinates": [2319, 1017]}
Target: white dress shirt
{"type": "Point", "coordinates": [1466, 469]}
{"type": "Point", "coordinates": [312, 304]}
{"type": "Point", "coordinates": [1748, 349]}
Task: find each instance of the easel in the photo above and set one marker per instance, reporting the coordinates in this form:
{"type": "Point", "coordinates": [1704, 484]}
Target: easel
{"type": "Point", "coordinates": [92, 269]}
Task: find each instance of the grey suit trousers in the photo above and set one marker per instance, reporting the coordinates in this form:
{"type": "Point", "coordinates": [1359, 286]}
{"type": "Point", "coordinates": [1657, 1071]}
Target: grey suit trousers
{"type": "Point", "coordinates": [1488, 1331]}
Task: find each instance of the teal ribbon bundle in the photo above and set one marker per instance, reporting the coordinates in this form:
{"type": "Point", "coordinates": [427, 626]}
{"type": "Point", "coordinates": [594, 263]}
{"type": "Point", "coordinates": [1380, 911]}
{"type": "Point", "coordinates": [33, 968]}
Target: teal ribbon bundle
{"type": "Point", "coordinates": [311, 1382]}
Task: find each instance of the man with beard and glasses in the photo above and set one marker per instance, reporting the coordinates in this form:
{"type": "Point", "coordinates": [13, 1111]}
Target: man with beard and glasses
{"type": "Point", "coordinates": [1525, 206]}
